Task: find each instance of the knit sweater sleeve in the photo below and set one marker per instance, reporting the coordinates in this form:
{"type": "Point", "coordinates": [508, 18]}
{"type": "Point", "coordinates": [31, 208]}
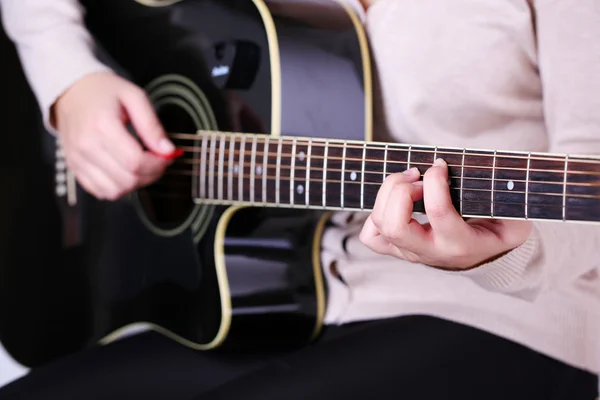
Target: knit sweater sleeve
{"type": "Point", "coordinates": [569, 58]}
{"type": "Point", "coordinates": [53, 44]}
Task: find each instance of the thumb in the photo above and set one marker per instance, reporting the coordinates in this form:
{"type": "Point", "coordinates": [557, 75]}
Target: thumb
{"type": "Point", "coordinates": [145, 122]}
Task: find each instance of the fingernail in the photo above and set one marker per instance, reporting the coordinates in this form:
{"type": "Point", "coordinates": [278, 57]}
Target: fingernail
{"type": "Point", "coordinates": [439, 162]}
{"type": "Point", "coordinates": [166, 146]}
{"type": "Point", "coordinates": [411, 171]}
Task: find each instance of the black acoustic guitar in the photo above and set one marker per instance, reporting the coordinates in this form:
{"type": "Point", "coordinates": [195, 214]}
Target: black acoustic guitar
{"type": "Point", "coordinates": [271, 103]}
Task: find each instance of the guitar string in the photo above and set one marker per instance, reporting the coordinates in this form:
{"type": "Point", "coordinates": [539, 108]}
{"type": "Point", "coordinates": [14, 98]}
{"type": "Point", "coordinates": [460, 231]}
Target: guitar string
{"type": "Point", "coordinates": [271, 178]}
{"type": "Point", "coordinates": [302, 204]}
{"type": "Point", "coordinates": [318, 204]}
{"type": "Point", "coordinates": [339, 143]}
{"type": "Point", "coordinates": [560, 180]}
{"type": "Point", "coordinates": [258, 153]}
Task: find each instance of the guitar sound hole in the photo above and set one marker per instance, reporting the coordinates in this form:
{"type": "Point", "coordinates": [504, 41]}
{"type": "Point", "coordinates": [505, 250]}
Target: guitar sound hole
{"type": "Point", "coordinates": [168, 202]}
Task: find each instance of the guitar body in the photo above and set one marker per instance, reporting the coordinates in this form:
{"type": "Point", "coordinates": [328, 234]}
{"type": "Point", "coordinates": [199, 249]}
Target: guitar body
{"type": "Point", "coordinates": [213, 276]}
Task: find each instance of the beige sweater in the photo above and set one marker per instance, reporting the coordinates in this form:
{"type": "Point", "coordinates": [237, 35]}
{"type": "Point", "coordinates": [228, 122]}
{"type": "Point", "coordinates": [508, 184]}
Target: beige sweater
{"type": "Point", "coordinates": [460, 73]}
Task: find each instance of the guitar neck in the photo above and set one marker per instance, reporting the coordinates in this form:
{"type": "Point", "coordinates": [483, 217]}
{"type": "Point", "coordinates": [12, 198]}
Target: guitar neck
{"type": "Point", "coordinates": [335, 174]}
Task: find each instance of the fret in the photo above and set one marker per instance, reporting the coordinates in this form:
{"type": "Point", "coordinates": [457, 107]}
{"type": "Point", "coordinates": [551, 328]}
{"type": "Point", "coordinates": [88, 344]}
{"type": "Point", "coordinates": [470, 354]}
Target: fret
{"type": "Point", "coordinates": [455, 160]}
{"type": "Point", "coordinates": [362, 177]}
{"type": "Point", "coordinates": [241, 169]}
{"type": "Point", "coordinates": [252, 167]}
{"type": "Point", "coordinates": [343, 174]}
{"type": "Point", "coordinates": [221, 162]}
{"type": "Point", "coordinates": [583, 190]}
{"type": "Point", "coordinates": [292, 171]}
{"type": "Point", "coordinates": [373, 169]}
{"type": "Point", "coordinates": [548, 195]}
{"type": "Point", "coordinates": [352, 175]}
{"type": "Point", "coordinates": [462, 180]}
{"type": "Point", "coordinates": [396, 159]}
{"type": "Point", "coordinates": [492, 185]}
{"type": "Point", "coordinates": [231, 167]}
{"type": "Point", "coordinates": [325, 154]}
{"type": "Point", "coordinates": [316, 162]}
{"type": "Point", "coordinates": [435, 153]}
{"type": "Point", "coordinates": [477, 173]}
{"type": "Point", "coordinates": [300, 172]}
{"type": "Point", "coordinates": [527, 186]}
{"type": "Point", "coordinates": [211, 168]}
{"type": "Point", "coordinates": [203, 168]}
{"type": "Point", "coordinates": [195, 171]}
{"type": "Point", "coordinates": [385, 163]}
{"type": "Point", "coordinates": [265, 169]}
{"type": "Point", "coordinates": [509, 186]}
{"type": "Point", "coordinates": [307, 191]}
{"type": "Point", "coordinates": [545, 187]}
{"type": "Point", "coordinates": [278, 172]}
{"type": "Point", "coordinates": [564, 196]}
{"type": "Point", "coordinates": [420, 157]}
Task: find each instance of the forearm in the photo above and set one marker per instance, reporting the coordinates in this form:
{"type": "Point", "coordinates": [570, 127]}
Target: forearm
{"type": "Point", "coordinates": [53, 44]}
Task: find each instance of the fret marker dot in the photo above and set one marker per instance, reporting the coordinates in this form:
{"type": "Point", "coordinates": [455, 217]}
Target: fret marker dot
{"type": "Point", "coordinates": [258, 170]}
{"type": "Point", "coordinates": [300, 189]}
{"type": "Point", "coordinates": [236, 169]}
{"type": "Point", "coordinates": [301, 156]}
{"type": "Point", "coordinates": [353, 176]}
{"type": "Point", "coordinates": [510, 185]}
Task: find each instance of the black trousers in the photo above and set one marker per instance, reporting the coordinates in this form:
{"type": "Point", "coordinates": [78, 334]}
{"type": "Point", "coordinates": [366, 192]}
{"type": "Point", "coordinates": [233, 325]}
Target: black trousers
{"type": "Point", "coordinates": [414, 357]}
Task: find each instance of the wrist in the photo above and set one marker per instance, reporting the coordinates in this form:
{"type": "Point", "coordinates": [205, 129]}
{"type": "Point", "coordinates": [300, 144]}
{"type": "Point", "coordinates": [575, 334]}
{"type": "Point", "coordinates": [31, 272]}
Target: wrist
{"type": "Point", "coordinates": [505, 272]}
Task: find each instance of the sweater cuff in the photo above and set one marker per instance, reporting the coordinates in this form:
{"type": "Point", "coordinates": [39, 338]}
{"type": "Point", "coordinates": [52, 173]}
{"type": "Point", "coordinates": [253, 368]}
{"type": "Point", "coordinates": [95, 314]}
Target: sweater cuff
{"type": "Point", "coordinates": [513, 272]}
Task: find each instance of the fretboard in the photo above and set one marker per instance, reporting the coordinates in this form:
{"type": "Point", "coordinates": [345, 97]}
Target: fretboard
{"type": "Point", "coordinates": [346, 175]}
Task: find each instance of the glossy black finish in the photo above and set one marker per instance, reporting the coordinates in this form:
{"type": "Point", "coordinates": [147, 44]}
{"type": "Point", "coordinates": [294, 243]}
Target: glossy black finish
{"type": "Point", "coordinates": [43, 289]}
{"type": "Point", "coordinates": [139, 275]}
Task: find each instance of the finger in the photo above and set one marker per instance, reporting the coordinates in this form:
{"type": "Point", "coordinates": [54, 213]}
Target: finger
{"type": "Point", "coordinates": [94, 180]}
{"type": "Point", "coordinates": [399, 227]}
{"type": "Point", "coordinates": [441, 213]}
{"type": "Point", "coordinates": [129, 154]}
{"type": "Point", "coordinates": [371, 237]}
{"type": "Point", "coordinates": [409, 176]}
{"type": "Point", "coordinates": [126, 180]}
{"type": "Point", "coordinates": [378, 243]}
{"type": "Point", "coordinates": [146, 123]}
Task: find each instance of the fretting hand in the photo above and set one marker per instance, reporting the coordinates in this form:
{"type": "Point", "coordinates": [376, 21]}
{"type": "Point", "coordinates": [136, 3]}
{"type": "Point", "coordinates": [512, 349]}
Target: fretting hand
{"type": "Point", "coordinates": [91, 118]}
{"type": "Point", "coordinates": [447, 241]}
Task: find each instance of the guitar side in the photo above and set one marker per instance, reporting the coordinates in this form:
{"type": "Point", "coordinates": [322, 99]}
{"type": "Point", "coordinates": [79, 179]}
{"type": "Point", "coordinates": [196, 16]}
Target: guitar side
{"type": "Point", "coordinates": [213, 276]}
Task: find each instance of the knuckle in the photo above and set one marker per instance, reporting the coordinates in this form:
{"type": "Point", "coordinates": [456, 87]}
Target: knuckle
{"type": "Point", "coordinates": [377, 218]}
{"type": "Point", "coordinates": [84, 147]}
{"type": "Point", "coordinates": [113, 194]}
{"type": "Point", "coordinates": [437, 212]}
{"type": "Point", "coordinates": [394, 231]}
{"type": "Point", "coordinates": [133, 163]}
{"type": "Point", "coordinates": [395, 179]}
{"type": "Point", "coordinates": [137, 95]}
{"type": "Point", "coordinates": [129, 185]}
{"type": "Point", "coordinates": [364, 237]}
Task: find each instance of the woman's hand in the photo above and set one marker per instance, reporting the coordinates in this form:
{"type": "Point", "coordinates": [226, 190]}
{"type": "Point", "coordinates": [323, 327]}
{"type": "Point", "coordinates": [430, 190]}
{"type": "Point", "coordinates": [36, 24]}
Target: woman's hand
{"type": "Point", "coordinates": [91, 118]}
{"type": "Point", "coordinates": [447, 241]}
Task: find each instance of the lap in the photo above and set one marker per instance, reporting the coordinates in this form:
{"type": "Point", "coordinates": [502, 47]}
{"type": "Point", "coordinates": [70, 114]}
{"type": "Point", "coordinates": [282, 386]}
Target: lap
{"type": "Point", "coordinates": [411, 357]}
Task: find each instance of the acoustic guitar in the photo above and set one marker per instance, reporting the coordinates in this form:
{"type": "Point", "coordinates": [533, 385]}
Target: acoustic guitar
{"type": "Point", "coordinates": [271, 102]}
